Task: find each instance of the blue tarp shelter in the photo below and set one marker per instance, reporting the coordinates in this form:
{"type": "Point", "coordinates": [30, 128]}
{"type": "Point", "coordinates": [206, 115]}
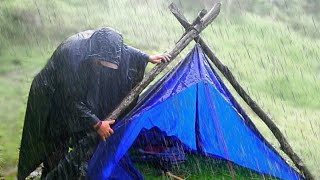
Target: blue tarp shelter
{"type": "Point", "coordinates": [192, 104]}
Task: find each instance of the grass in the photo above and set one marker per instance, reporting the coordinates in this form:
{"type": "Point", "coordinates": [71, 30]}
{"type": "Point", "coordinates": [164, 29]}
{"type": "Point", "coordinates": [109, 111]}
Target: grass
{"type": "Point", "coordinates": [278, 66]}
{"type": "Point", "coordinates": [198, 167]}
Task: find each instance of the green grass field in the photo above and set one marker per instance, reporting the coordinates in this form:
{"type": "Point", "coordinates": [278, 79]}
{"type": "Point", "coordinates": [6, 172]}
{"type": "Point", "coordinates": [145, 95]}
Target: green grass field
{"type": "Point", "coordinates": [277, 64]}
{"type": "Point", "coordinates": [197, 167]}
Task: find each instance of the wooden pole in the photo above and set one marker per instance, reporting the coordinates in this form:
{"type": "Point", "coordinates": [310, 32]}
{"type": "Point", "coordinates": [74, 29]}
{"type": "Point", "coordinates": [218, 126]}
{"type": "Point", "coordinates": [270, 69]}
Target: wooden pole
{"type": "Point", "coordinates": [180, 45]}
{"type": "Point", "coordinates": [284, 145]}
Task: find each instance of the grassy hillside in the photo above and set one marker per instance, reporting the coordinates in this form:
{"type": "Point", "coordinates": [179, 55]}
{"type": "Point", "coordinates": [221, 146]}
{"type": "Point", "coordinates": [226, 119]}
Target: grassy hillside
{"type": "Point", "coordinates": [275, 61]}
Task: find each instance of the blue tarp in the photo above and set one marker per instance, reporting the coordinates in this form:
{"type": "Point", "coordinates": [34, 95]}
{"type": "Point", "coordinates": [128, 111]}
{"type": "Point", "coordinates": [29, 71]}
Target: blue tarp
{"type": "Point", "coordinates": [192, 103]}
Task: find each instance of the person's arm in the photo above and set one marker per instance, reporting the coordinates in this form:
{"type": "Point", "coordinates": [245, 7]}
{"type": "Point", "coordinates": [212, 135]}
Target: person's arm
{"type": "Point", "coordinates": [154, 59]}
{"type": "Point", "coordinates": [86, 115]}
{"type": "Point", "coordinates": [137, 54]}
{"type": "Point", "coordinates": [102, 127]}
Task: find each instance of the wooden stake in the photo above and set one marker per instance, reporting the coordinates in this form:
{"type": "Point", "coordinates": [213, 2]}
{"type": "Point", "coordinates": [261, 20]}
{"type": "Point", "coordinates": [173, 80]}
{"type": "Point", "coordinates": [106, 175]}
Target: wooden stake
{"type": "Point", "coordinates": [284, 145]}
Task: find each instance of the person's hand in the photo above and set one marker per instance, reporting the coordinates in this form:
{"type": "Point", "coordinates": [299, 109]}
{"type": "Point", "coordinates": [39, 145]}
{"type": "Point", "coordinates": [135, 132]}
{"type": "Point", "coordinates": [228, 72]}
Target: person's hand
{"type": "Point", "coordinates": [105, 130]}
{"type": "Point", "coordinates": [156, 59]}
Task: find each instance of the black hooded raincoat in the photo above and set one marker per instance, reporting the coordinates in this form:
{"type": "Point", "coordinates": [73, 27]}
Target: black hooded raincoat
{"type": "Point", "coordinates": [85, 79]}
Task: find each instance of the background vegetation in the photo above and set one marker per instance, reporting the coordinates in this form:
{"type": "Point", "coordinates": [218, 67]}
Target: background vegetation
{"type": "Point", "coordinates": [272, 47]}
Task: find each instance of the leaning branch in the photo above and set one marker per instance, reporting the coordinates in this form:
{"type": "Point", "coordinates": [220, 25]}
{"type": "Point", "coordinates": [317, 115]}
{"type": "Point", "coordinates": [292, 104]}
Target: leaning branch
{"type": "Point", "coordinates": [180, 45]}
{"type": "Point", "coordinates": [253, 105]}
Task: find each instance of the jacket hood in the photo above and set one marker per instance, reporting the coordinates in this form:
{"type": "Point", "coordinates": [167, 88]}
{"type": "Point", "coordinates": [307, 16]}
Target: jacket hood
{"type": "Point", "coordinates": [105, 44]}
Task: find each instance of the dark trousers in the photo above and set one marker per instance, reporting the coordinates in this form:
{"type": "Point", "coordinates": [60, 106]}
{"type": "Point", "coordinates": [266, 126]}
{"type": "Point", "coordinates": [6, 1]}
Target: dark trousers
{"type": "Point", "coordinates": [65, 164]}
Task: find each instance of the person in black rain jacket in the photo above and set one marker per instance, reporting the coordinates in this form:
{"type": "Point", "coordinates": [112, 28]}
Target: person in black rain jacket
{"type": "Point", "coordinates": [85, 79]}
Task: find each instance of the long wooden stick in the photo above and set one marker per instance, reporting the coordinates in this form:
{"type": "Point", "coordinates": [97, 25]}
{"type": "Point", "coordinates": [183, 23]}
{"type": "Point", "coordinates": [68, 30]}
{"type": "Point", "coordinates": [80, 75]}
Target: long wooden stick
{"type": "Point", "coordinates": [285, 146]}
{"type": "Point", "coordinates": [180, 45]}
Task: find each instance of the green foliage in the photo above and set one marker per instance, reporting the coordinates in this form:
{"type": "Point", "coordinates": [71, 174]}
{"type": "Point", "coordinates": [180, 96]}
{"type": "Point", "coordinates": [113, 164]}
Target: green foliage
{"type": "Point", "coordinates": [302, 16]}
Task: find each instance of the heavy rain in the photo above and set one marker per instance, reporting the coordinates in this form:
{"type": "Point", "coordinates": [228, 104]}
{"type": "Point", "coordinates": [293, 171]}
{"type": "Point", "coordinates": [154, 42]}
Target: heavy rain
{"type": "Point", "coordinates": [160, 89]}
